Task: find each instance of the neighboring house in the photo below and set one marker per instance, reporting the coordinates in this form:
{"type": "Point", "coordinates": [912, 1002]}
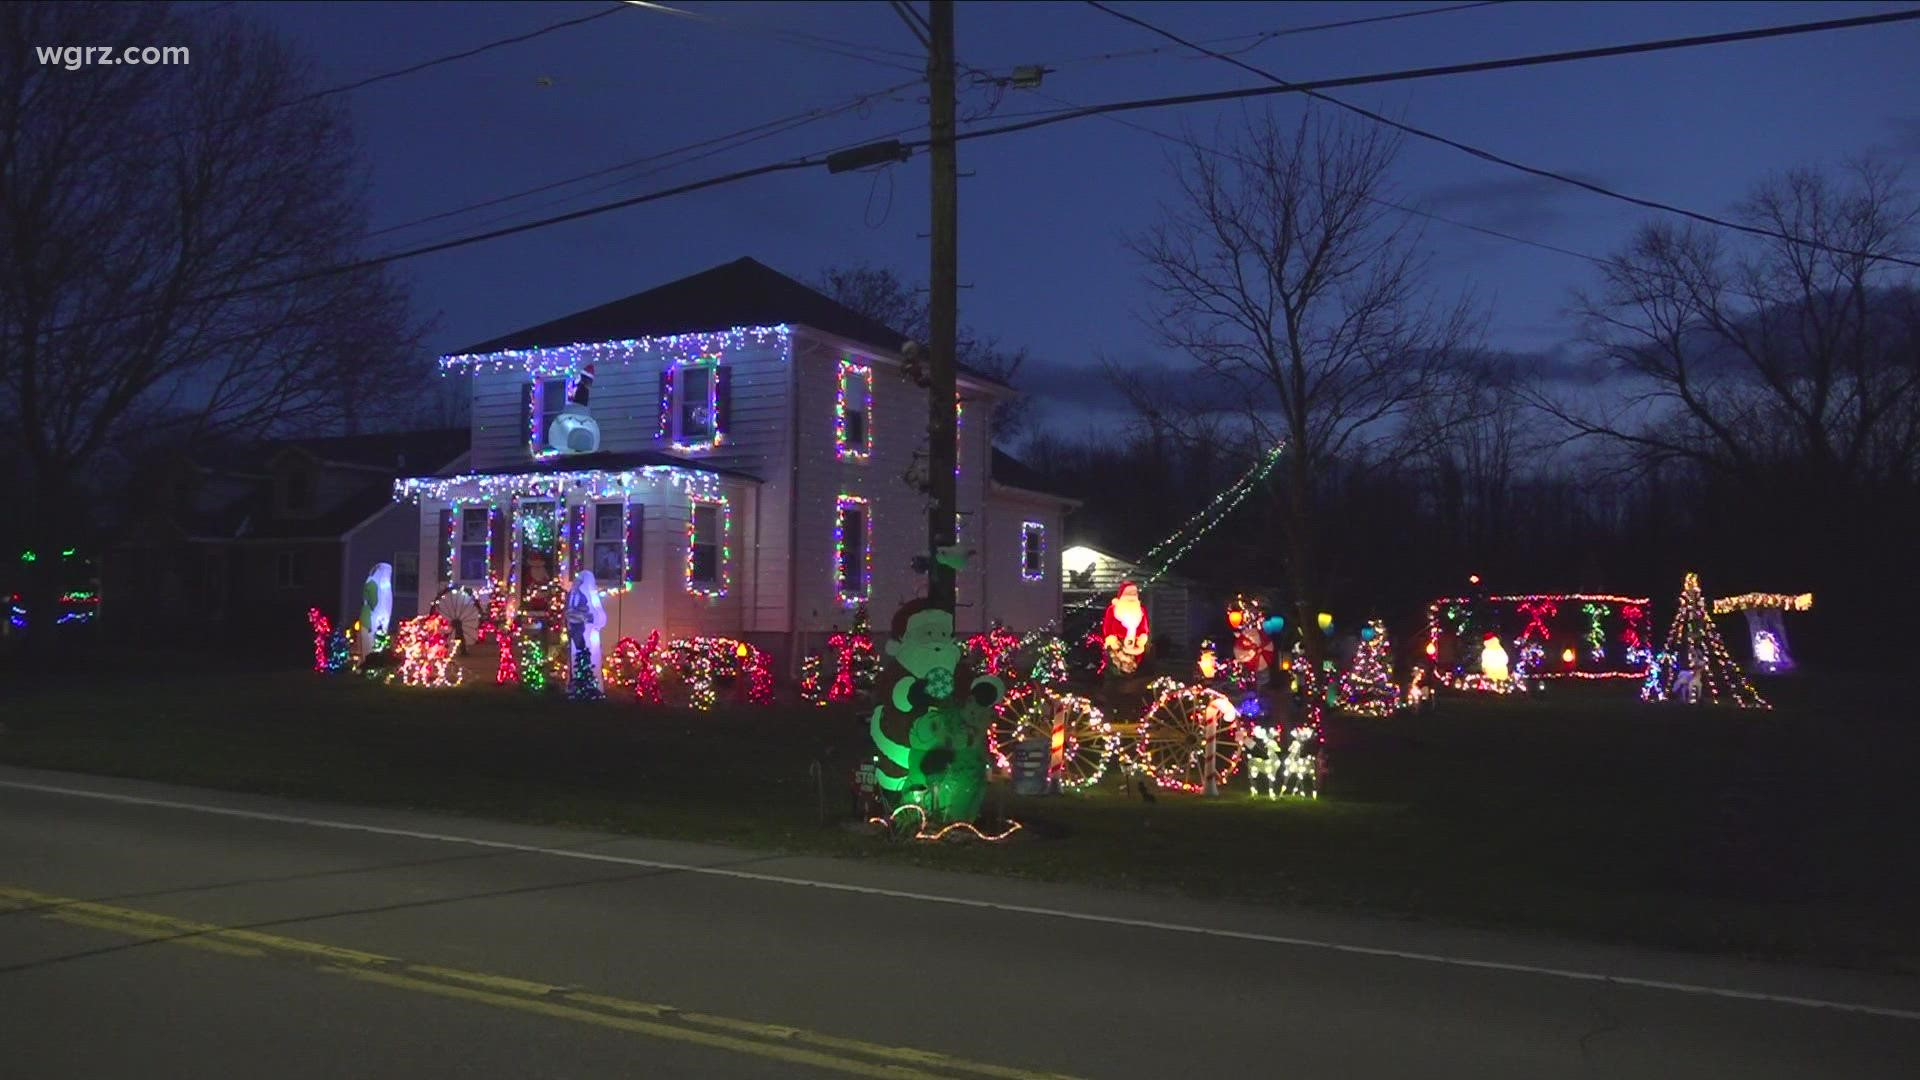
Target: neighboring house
{"type": "Point", "coordinates": [750, 479]}
{"type": "Point", "coordinates": [239, 549]}
{"type": "Point", "coordinates": [1179, 611]}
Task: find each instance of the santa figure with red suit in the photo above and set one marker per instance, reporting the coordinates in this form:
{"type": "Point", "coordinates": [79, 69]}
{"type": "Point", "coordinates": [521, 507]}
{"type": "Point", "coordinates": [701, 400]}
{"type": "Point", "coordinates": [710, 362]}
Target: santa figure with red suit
{"type": "Point", "coordinates": [1124, 629]}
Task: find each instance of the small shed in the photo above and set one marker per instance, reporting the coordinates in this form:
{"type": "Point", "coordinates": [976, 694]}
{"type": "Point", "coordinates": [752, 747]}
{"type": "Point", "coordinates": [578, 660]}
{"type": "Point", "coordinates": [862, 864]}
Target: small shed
{"type": "Point", "coordinates": [1176, 606]}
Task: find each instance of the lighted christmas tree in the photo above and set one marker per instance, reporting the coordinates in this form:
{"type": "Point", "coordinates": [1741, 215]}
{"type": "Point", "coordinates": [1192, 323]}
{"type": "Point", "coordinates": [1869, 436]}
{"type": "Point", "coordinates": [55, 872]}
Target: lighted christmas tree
{"type": "Point", "coordinates": [1367, 687]}
{"type": "Point", "coordinates": [1694, 667]}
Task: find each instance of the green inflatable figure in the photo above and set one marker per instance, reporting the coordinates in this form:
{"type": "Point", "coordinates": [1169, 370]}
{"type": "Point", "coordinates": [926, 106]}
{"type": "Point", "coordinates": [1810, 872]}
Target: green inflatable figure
{"type": "Point", "coordinates": [931, 727]}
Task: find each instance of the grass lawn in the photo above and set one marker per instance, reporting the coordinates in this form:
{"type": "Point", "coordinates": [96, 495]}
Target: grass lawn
{"type": "Point", "coordinates": [1791, 833]}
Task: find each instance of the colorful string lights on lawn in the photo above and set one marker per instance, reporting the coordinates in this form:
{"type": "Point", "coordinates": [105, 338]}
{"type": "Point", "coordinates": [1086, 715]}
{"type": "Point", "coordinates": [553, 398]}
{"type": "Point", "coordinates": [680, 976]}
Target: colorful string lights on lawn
{"type": "Point", "coordinates": [1081, 742]}
{"type": "Point", "coordinates": [425, 647]}
{"type": "Point", "coordinates": [1367, 686]}
{"type": "Point", "coordinates": [1730, 605]}
{"type": "Point", "coordinates": [1694, 666]}
{"type": "Point", "coordinates": [1538, 629]}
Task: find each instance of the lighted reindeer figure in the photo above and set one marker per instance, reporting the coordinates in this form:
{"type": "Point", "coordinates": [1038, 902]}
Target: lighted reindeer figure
{"type": "Point", "coordinates": [1264, 759]}
{"type": "Point", "coordinates": [1300, 771]}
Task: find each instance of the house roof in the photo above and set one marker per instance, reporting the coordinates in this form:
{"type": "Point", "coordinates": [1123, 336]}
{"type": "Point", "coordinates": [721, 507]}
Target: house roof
{"type": "Point", "coordinates": [396, 451]}
{"type": "Point", "coordinates": [744, 292]}
{"type": "Point", "coordinates": [1010, 471]}
{"type": "Point", "coordinates": [384, 455]}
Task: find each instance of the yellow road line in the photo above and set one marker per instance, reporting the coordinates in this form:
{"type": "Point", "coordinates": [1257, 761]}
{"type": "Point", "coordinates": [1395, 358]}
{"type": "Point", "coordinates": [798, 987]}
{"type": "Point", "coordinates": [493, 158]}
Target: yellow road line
{"type": "Point", "coordinates": [794, 1045]}
{"type": "Point", "coordinates": [794, 1055]}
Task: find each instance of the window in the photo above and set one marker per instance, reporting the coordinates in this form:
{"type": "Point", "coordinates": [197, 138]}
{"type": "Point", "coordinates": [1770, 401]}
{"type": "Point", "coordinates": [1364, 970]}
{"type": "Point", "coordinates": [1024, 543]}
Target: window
{"type": "Point", "coordinates": [1033, 551]}
{"type": "Point", "coordinates": [695, 411]}
{"type": "Point", "coordinates": [707, 528]}
{"type": "Point", "coordinates": [609, 543]}
{"type": "Point", "coordinates": [852, 549]}
{"type": "Point", "coordinates": [475, 535]}
{"type": "Point", "coordinates": [299, 488]}
{"type": "Point", "coordinates": [406, 571]}
{"type": "Point", "coordinates": [290, 569]}
{"type": "Point", "coordinates": [852, 412]}
{"type": "Point", "coordinates": [550, 396]}
{"type": "Point", "coordinates": [694, 403]}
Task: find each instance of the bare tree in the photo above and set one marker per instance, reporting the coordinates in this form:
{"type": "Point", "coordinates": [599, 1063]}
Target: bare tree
{"type": "Point", "coordinates": [1766, 361]}
{"type": "Point", "coordinates": [1285, 282]}
{"type": "Point", "coordinates": [147, 214]}
{"type": "Point", "coordinates": [883, 296]}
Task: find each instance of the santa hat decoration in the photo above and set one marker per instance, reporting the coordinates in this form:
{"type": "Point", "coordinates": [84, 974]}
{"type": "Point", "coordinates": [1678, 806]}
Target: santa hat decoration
{"type": "Point", "coordinates": [574, 430]}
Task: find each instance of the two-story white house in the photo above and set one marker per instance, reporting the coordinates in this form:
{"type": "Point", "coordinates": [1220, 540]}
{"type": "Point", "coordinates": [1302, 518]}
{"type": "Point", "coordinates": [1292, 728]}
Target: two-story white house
{"type": "Point", "coordinates": [751, 478]}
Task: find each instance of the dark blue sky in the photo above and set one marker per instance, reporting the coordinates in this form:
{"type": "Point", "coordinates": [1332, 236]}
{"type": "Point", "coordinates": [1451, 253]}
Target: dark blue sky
{"type": "Point", "coordinates": [1043, 215]}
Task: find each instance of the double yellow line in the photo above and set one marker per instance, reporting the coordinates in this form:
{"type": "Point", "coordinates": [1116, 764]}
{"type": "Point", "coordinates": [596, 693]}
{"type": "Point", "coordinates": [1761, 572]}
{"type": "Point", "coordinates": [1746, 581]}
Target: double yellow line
{"type": "Point", "coordinates": [798, 1046]}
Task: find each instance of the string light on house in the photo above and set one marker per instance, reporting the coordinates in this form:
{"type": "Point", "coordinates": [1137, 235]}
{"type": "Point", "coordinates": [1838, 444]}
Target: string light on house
{"type": "Point", "coordinates": [587, 483]}
{"type": "Point", "coordinates": [664, 351]}
{"type": "Point", "coordinates": [723, 574]}
{"type": "Point", "coordinates": [846, 446]}
{"type": "Point", "coordinates": [857, 595]}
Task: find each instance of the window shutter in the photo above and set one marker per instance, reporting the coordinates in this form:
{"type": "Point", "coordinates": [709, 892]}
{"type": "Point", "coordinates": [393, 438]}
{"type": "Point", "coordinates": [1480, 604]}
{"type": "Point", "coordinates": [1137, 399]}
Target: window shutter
{"type": "Point", "coordinates": [636, 538]}
{"type": "Point", "coordinates": [722, 401]}
{"type": "Point", "coordinates": [577, 537]}
{"type": "Point", "coordinates": [526, 417]}
{"type": "Point", "coordinates": [441, 573]}
{"type": "Point", "coordinates": [666, 403]}
{"type": "Point", "coordinates": [500, 531]}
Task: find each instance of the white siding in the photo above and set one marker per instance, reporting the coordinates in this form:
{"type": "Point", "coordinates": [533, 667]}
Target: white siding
{"type": "Point", "coordinates": [1012, 599]}
{"type": "Point", "coordinates": [625, 403]}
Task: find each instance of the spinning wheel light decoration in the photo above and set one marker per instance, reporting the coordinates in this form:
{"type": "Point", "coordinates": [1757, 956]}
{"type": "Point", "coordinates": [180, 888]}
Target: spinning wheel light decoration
{"type": "Point", "coordinates": [465, 615]}
{"type": "Point", "coordinates": [1187, 737]}
{"type": "Point", "coordinates": [1081, 740]}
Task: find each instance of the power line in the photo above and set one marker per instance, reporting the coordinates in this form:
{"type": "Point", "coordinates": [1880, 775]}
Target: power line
{"type": "Point", "coordinates": [734, 140]}
{"type": "Point", "coordinates": [1312, 91]}
{"type": "Point", "coordinates": [1038, 121]}
{"type": "Point", "coordinates": [846, 49]}
{"type": "Point", "coordinates": [384, 76]}
{"type": "Point", "coordinates": [1255, 40]}
{"type": "Point", "coordinates": [1377, 200]}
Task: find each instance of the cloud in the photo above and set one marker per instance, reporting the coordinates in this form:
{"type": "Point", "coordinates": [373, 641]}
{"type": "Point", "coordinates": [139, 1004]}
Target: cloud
{"type": "Point", "coordinates": [1506, 203]}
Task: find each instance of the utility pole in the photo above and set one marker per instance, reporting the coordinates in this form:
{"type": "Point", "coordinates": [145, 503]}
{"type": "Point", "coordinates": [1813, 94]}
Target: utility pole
{"type": "Point", "coordinates": [943, 282]}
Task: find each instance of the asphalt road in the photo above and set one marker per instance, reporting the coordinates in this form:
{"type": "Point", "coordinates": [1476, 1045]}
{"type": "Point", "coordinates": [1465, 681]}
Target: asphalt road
{"type": "Point", "coordinates": [241, 936]}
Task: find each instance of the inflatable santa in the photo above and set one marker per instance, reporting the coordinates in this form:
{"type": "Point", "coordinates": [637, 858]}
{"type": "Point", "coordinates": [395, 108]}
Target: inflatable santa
{"type": "Point", "coordinates": [1124, 629]}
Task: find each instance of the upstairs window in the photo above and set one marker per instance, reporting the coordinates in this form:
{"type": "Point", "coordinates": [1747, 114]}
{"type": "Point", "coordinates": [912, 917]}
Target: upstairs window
{"type": "Point", "coordinates": [695, 400]}
{"type": "Point", "coordinates": [1033, 551]}
{"type": "Point", "coordinates": [299, 489]}
{"type": "Point", "coordinates": [853, 549]}
{"type": "Point", "coordinates": [853, 412]}
{"type": "Point", "coordinates": [708, 524]}
{"type": "Point", "coordinates": [541, 400]}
